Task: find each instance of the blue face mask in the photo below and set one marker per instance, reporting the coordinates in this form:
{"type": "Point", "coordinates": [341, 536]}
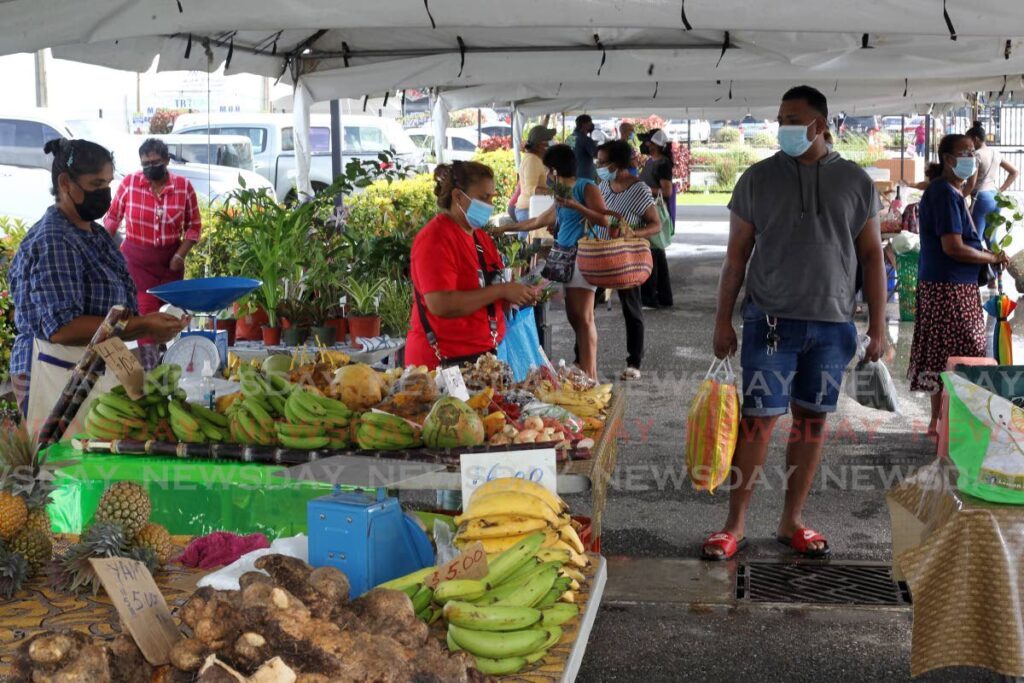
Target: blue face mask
{"type": "Point", "coordinates": [965, 167]}
{"type": "Point", "coordinates": [478, 213]}
{"type": "Point", "coordinates": [605, 173]}
{"type": "Point", "coordinates": [793, 139]}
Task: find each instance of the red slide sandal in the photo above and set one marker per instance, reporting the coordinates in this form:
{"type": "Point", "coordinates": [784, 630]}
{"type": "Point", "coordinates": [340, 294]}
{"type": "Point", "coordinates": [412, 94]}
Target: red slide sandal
{"type": "Point", "coordinates": [725, 542]}
{"type": "Point", "coordinates": [801, 541]}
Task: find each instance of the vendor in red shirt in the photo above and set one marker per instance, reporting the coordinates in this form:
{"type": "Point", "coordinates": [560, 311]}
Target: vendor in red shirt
{"type": "Point", "coordinates": [459, 298]}
{"type": "Point", "coordinates": [162, 223]}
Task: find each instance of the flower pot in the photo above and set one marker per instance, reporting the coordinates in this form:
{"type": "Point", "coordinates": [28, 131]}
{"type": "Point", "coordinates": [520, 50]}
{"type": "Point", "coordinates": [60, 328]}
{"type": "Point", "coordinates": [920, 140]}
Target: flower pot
{"type": "Point", "coordinates": [294, 336]}
{"type": "Point", "coordinates": [248, 326]}
{"type": "Point", "coordinates": [271, 335]}
{"type": "Point", "coordinates": [229, 326]}
{"type": "Point", "coordinates": [363, 326]}
{"type": "Point", "coordinates": [323, 334]}
{"type": "Point", "coordinates": [340, 326]}
{"type": "Point", "coordinates": [285, 323]}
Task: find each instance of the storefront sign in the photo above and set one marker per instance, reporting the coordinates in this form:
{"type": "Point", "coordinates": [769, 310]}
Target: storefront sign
{"type": "Point", "coordinates": [536, 465]}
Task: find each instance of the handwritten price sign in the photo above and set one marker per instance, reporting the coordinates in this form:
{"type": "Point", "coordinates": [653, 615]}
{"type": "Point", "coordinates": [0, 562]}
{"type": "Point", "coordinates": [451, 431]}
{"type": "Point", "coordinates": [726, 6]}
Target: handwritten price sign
{"type": "Point", "coordinates": [471, 564]}
{"type": "Point", "coordinates": [140, 605]}
{"type": "Point", "coordinates": [534, 465]}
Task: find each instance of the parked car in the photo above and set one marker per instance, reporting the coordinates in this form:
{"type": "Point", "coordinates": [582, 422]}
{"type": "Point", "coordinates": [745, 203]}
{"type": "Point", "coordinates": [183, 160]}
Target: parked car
{"type": "Point", "coordinates": [461, 143]}
{"type": "Point", "coordinates": [698, 130]}
{"type": "Point", "coordinates": [719, 124]}
{"type": "Point", "coordinates": [221, 150]}
{"type": "Point", "coordinates": [496, 130]}
{"type": "Point", "coordinates": [272, 136]}
{"type": "Point", "coordinates": [750, 127]}
{"type": "Point", "coordinates": [860, 125]}
{"type": "Point", "coordinates": [893, 124]}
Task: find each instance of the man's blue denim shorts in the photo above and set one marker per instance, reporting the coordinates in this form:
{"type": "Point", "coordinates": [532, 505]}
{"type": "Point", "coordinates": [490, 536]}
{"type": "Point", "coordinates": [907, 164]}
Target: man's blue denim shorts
{"type": "Point", "coordinates": [806, 369]}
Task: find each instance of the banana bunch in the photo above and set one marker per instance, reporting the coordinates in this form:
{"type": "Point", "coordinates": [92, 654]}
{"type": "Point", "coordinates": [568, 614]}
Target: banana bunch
{"type": "Point", "coordinates": [114, 416]}
{"type": "Point", "coordinates": [312, 420]}
{"type": "Point", "coordinates": [252, 418]}
{"type": "Point", "coordinates": [504, 511]}
{"type": "Point", "coordinates": [590, 403]}
{"type": "Point", "coordinates": [385, 432]}
{"type": "Point", "coordinates": [507, 620]}
{"type": "Point", "coordinates": [194, 423]}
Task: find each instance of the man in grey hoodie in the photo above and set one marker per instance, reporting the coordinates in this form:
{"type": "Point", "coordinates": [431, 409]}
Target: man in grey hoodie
{"type": "Point", "coordinates": [800, 222]}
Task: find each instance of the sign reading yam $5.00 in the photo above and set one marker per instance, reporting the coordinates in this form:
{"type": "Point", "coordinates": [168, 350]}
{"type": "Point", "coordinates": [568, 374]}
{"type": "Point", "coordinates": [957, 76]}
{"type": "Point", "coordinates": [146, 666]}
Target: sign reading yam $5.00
{"type": "Point", "coordinates": [535, 465]}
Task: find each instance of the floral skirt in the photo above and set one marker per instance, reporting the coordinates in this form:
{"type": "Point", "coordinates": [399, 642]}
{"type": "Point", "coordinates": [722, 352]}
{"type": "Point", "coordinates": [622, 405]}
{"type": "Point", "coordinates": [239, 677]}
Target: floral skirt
{"type": "Point", "coordinates": [949, 322]}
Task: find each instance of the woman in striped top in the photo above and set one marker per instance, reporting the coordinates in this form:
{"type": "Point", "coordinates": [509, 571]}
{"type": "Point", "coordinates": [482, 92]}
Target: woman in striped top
{"type": "Point", "coordinates": [631, 198]}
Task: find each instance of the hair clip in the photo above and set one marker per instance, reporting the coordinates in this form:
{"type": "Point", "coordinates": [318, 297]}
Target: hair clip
{"type": "Point", "coordinates": [71, 156]}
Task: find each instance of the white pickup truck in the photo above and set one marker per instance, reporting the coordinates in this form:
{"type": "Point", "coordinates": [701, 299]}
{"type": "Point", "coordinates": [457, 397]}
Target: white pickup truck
{"type": "Point", "coordinates": [273, 146]}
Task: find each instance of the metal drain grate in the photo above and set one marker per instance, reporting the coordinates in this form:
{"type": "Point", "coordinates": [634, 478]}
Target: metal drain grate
{"type": "Point", "coordinates": [826, 583]}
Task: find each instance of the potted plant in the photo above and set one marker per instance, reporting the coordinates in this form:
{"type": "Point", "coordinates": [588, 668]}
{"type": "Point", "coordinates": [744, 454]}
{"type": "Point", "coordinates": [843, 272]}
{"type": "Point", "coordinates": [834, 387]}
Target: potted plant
{"type": "Point", "coordinates": [363, 319]}
{"type": "Point", "coordinates": [395, 307]}
{"type": "Point", "coordinates": [299, 312]}
{"type": "Point", "coordinates": [226, 321]}
{"type": "Point", "coordinates": [323, 311]}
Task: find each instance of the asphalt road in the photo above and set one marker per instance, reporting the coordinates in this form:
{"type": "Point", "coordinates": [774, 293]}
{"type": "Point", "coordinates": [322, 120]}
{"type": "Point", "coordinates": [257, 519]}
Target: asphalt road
{"type": "Point", "coordinates": [645, 632]}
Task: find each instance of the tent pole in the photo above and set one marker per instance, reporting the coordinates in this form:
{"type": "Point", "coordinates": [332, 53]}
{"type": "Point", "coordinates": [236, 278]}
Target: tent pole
{"type": "Point", "coordinates": [517, 135]}
{"type": "Point", "coordinates": [927, 138]}
{"type": "Point", "coordinates": [300, 116]}
{"type": "Point", "coordinates": [336, 138]}
{"type": "Point", "coordinates": [479, 128]}
{"type": "Point", "coordinates": [903, 145]}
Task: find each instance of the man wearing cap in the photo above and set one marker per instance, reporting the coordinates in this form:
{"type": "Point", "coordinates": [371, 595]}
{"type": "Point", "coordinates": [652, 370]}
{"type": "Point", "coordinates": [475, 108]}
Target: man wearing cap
{"type": "Point", "coordinates": [584, 147]}
{"type": "Point", "coordinates": [533, 176]}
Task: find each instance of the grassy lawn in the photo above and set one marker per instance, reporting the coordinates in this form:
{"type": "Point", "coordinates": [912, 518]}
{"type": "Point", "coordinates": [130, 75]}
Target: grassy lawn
{"type": "Point", "coordinates": [702, 199]}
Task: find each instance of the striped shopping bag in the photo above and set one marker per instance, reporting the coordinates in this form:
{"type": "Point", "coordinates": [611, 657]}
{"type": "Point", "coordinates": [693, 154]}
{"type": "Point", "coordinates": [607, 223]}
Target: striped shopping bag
{"type": "Point", "coordinates": [712, 427]}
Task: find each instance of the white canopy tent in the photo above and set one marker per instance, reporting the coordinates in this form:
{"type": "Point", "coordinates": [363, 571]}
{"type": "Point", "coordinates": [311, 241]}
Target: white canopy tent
{"type": "Point", "coordinates": [684, 57]}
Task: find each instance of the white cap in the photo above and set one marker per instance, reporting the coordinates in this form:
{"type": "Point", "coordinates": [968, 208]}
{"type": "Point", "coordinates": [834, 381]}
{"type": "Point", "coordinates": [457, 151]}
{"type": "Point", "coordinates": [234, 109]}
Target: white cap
{"type": "Point", "coordinates": [659, 138]}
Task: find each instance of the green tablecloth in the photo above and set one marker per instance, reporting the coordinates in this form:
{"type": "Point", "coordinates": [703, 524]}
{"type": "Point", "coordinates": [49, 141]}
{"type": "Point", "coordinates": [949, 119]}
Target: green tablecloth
{"type": "Point", "coordinates": [190, 497]}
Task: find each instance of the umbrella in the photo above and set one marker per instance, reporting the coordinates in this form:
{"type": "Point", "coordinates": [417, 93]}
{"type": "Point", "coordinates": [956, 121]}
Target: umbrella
{"type": "Point", "coordinates": [1001, 307]}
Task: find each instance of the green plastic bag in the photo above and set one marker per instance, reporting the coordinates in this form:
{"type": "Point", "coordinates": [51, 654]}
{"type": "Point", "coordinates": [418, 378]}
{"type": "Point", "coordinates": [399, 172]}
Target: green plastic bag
{"type": "Point", "coordinates": [663, 239]}
{"type": "Point", "coordinates": [986, 442]}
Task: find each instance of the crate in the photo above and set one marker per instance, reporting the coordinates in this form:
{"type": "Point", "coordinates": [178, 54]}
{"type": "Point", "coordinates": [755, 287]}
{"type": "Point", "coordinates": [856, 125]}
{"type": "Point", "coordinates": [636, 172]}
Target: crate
{"type": "Point", "coordinates": [906, 287]}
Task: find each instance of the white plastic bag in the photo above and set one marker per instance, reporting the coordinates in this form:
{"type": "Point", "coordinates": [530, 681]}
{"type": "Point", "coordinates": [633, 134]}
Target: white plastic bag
{"type": "Point", "coordinates": [869, 382]}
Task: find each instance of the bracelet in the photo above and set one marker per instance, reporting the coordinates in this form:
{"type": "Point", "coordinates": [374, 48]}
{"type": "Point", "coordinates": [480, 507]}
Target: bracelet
{"type": "Point", "coordinates": [179, 257]}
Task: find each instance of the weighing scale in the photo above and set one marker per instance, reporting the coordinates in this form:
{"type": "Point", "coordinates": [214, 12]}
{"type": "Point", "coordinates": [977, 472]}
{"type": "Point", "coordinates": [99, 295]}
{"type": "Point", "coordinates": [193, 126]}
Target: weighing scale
{"type": "Point", "coordinates": [364, 533]}
{"type": "Point", "coordinates": [202, 298]}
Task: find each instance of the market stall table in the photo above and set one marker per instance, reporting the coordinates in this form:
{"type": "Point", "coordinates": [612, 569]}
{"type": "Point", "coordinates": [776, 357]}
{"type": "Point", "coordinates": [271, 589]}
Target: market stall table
{"type": "Point", "coordinates": [249, 351]}
{"type": "Point", "coordinates": [963, 559]}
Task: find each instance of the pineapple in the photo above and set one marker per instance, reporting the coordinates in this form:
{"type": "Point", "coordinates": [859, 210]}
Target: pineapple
{"type": "Point", "coordinates": [39, 520]}
{"type": "Point", "coordinates": [22, 476]}
{"type": "Point", "coordinates": [13, 572]}
{"type": "Point", "coordinates": [35, 546]}
{"type": "Point", "coordinates": [125, 503]}
{"type": "Point", "coordinates": [156, 538]}
{"type": "Point", "coordinates": [72, 573]}
{"type": "Point", "coordinates": [13, 514]}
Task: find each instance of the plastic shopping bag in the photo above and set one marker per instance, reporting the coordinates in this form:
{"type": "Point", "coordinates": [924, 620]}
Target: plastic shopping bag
{"type": "Point", "coordinates": [712, 427]}
{"type": "Point", "coordinates": [986, 441]}
{"type": "Point", "coordinates": [869, 382]}
{"type": "Point", "coordinates": [663, 239]}
{"type": "Point", "coordinates": [520, 348]}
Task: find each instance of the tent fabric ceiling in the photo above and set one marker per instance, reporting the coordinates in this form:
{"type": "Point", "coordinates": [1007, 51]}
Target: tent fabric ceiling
{"type": "Point", "coordinates": [600, 52]}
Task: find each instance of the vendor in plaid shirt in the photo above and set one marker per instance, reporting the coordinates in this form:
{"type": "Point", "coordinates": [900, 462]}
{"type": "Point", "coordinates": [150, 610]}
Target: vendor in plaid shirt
{"type": "Point", "coordinates": [162, 223]}
{"type": "Point", "coordinates": [67, 272]}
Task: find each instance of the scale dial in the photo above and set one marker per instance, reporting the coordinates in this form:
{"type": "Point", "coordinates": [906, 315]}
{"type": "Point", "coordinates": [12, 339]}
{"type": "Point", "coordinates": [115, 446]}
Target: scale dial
{"type": "Point", "coordinates": [192, 351]}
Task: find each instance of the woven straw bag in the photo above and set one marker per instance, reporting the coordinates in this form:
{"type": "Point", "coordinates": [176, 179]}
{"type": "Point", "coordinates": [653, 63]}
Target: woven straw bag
{"type": "Point", "coordinates": [1015, 267]}
{"type": "Point", "coordinates": [619, 263]}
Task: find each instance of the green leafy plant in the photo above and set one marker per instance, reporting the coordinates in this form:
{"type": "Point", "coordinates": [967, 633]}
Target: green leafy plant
{"type": "Point", "coordinates": [395, 306]}
{"type": "Point", "coordinates": [997, 219]}
{"type": "Point", "coordinates": [728, 134]}
{"type": "Point", "coordinates": [503, 163]}
{"type": "Point", "coordinates": [12, 232]}
{"type": "Point", "coordinates": [363, 296]}
{"type": "Point", "coordinates": [725, 169]}
{"type": "Point", "coordinates": [763, 139]}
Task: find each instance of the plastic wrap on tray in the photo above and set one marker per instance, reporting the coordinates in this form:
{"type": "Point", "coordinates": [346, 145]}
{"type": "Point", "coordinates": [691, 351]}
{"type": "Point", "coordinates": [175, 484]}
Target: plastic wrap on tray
{"type": "Point", "coordinates": [566, 419]}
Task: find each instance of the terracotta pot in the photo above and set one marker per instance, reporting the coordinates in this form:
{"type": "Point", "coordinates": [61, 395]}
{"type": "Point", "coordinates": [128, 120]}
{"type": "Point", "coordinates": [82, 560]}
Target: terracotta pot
{"type": "Point", "coordinates": [229, 326]}
{"type": "Point", "coordinates": [271, 336]}
{"type": "Point", "coordinates": [294, 336]}
{"type": "Point", "coordinates": [363, 326]}
{"type": "Point", "coordinates": [340, 326]}
{"type": "Point", "coordinates": [323, 334]}
{"type": "Point", "coordinates": [285, 323]}
{"type": "Point", "coordinates": [248, 326]}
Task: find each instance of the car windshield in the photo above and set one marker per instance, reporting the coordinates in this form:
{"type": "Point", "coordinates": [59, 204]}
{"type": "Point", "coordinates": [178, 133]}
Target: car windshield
{"type": "Point", "coordinates": [750, 119]}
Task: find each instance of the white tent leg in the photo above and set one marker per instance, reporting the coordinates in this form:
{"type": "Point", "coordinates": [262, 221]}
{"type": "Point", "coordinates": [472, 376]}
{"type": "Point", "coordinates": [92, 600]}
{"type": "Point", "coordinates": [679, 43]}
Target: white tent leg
{"type": "Point", "coordinates": [440, 123]}
{"type": "Point", "coordinates": [518, 123]}
{"type": "Point", "coordinates": [303, 101]}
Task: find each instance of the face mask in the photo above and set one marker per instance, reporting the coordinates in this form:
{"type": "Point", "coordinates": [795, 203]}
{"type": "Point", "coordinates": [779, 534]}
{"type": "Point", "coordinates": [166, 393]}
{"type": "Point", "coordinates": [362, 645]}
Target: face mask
{"type": "Point", "coordinates": [478, 213]}
{"type": "Point", "coordinates": [94, 205]}
{"type": "Point", "coordinates": [828, 146]}
{"type": "Point", "coordinates": [157, 172]}
{"type": "Point", "coordinates": [965, 167]}
{"type": "Point", "coordinates": [793, 139]}
{"type": "Point", "coordinates": [605, 173]}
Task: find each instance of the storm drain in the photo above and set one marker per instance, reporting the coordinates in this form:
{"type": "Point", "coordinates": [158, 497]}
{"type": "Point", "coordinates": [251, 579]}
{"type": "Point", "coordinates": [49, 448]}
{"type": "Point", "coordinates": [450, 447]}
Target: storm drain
{"type": "Point", "coordinates": [829, 583]}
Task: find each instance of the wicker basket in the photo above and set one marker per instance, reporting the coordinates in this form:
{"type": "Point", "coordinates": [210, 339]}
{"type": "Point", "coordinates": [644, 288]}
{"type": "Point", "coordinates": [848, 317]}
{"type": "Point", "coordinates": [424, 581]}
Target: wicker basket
{"type": "Point", "coordinates": [620, 263]}
{"type": "Point", "coordinates": [1015, 267]}
{"type": "Point", "coordinates": [906, 287]}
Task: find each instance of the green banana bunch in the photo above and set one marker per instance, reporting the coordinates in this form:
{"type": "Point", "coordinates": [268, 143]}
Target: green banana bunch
{"type": "Point", "coordinates": [558, 614]}
{"type": "Point", "coordinates": [499, 644]}
{"type": "Point", "coordinates": [463, 590]}
{"type": "Point", "coordinates": [113, 416]}
{"type": "Point", "coordinates": [493, 618]}
{"type": "Point", "coordinates": [162, 381]}
{"type": "Point", "coordinates": [514, 559]}
{"type": "Point", "coordinates": [384, 432]}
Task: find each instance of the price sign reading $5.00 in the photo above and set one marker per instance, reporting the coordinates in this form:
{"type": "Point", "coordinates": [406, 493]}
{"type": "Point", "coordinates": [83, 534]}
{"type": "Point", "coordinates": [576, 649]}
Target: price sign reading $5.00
{"type": "Point", "coordinates": [471, 564]}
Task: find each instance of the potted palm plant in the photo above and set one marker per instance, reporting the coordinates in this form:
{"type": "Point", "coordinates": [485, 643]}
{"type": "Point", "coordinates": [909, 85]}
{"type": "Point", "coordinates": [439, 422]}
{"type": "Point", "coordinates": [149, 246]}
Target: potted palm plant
{"type": "Point", "coordinates": [363, 318]}
{"type": "Point", "coordinates": [396, 307]}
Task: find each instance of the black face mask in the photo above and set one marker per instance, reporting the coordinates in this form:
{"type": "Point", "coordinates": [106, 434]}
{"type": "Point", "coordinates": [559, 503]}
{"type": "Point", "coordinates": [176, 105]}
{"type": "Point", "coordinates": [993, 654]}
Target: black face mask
{"type": "Point", "coordinates": [155, 173]}
{"type": "Point", "coordinates": [94, 205]}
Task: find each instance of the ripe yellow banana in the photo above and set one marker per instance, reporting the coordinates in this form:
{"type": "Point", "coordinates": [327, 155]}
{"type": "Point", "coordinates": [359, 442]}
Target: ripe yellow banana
{"type": "Point", "coordinates": [500, 526]}
{"type": "Point", "coordinates": [573, 573]}
{"type": "Point", "coordinates": [522, 486]}
{"type": "Point", "coordinates": [569, 535]}
{"type": "Point", "coordinates": [510, 503]}
{"type": "Point", "coordinates": [498, 545]}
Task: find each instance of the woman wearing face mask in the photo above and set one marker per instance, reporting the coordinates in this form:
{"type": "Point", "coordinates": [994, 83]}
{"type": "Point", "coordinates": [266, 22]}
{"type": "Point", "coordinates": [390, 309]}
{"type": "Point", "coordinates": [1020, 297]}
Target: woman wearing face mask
{"type": "Point", "coordinates": [657, 173]}
{"type": "Point", "coordinates": [66, 276]}
{"type": "Point", "coordinates": [568, 220]}
{"type": "Point", "coordinates": [459, 299]}
{"type": "Point", "coordinates": [162, 223]}
{"type": "Point", "coordinates": [949, 321]}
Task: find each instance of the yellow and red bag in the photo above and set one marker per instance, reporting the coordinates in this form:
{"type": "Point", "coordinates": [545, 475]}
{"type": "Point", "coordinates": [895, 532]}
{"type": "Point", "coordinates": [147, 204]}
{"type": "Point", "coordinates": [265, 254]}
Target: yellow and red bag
{"type": "Point", "coordinates": [712, 428]}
